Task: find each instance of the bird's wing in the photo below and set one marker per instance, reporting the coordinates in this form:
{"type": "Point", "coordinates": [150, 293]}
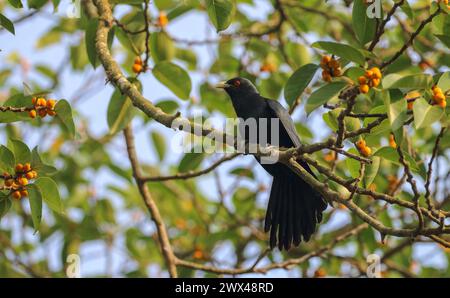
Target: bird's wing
{"type": "Point", "coordinates": [285, 119]}
{"type": "Point", "coordinates": [289, 126]}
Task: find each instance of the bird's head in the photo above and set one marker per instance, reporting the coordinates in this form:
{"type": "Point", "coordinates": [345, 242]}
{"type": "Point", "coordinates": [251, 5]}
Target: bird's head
{"type": "Point", "coordinates": [238, 87]}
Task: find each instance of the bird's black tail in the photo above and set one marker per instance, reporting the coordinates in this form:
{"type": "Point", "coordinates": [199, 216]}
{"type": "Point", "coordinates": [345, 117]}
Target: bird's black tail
{"type": "Point", "coordinates": [293, 211]}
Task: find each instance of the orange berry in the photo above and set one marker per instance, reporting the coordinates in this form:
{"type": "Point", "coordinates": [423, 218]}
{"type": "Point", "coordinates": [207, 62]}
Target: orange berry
{"type": "Point", "coordinates": [392, 142]}
{"type": "Point", "coordinates": [443, 104]}
{"type": "Point", "coordinates": [137, 68]}
{"type": "Point", "coordinates": [337, 72]}
{"type": "Point", "coordinates": [16, 194]}
{"type": "Point", "coordinates": [24, 193]}
{"type": "Point", "coordinates": [365, 151]}
{"type": "Point", "coordinates": [41, 102]}
{"type": "Point", "coordinates": [9, 182]}
{"type": "Point", "coordinates": [364, 88]}
{"type": "Point", "coordinates": [19, 167]}
{"type": "Point", "coordinates": [32, 114]}
{"type": "Point", "coordinates": [334, 63]}
{"type": "Point", "coordinates": [362, 80]}
{"type": "Point", "coordinates": [34, 174]}
{"type": "Point", "coordinates": [42, 113]}
{"type": "Point", "coordinates": [51, 113]}
{"type": "Point", "coordinates": [51, 103]}
{"type": "Point", "coordinates": [23, 181]}
{"type": "Point", "coordinates": [436, 89]}
{"type": "Point", "coordinates": [162, 19]}
{"type": "Point", "coordinates": [33, 100]}
{"type": "Point", "coordinates": [375, 82]}
{"type": "Point", "coordinates": [320, 273]}
{"type": "Point", "coordinates": [368, 74]}
{"type": "Point", "coordinates": [360, 144]}
{"type": "Point", "coordinates": [27, 167]}
{"type": "Point", "coordinates": [376, 73]}
{"type": "Point", "coordinates": [326, 59]}
{"type": "Point", "coordinates": [438, 97]}
{"type": "Point", "coordinates": [410, 105]}
{"type": "Point", "coordinates": [326, 76]}
{"type": "Point", "coordinates": [29, 175]}
{"type": "Point", "coordinates": [198, 254]}
{"type": "Point", "coordinates": [138, 60]}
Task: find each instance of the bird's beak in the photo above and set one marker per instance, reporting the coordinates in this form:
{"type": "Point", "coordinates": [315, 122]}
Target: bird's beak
{"type": "Point", "coordinates": [222, 85]}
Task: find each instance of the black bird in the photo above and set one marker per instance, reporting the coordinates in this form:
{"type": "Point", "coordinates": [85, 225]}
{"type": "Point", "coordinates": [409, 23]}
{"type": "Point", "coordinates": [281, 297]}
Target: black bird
{"type": "Point", "coordinates": [294, 206]}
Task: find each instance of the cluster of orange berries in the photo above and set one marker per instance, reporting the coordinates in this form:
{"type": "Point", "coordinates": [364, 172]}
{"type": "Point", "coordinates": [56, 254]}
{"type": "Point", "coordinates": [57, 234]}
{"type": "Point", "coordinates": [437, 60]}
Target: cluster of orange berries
{"type": "Point", "coordinates": [363, 149]}
{"type": "Point", "coordinates": [42, 107]}
{"type": "Point", "coordinates": [162, 19]}
{"type": "Point", "coordinates": [18, 181]}
{"type": "Point", "coordinates": [371, 78]}
{"type": "Point", "coordinates": [392, 142]}
{"type": "Point", "coordinates": [445, 2]}
{"type": "Point", "coordinates": [331, 68]}
{"type": "Point", "coordinates": [138, 66]}
{"type": "Point", "coordinates": [439, 97]}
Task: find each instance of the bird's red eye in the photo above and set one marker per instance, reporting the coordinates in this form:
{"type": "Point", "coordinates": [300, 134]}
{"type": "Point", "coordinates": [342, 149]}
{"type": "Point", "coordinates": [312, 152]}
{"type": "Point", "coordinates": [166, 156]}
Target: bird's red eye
{"type": "Point", "coordinates": [237, 83]}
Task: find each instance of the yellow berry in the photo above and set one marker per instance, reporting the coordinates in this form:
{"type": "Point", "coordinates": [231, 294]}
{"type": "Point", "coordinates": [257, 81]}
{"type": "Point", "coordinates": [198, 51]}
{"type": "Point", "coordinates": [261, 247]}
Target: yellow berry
{"type": "Point", "coordinates": [438, 97]}
{"type": "Point", "coordinates": [368, 74]}
{"type": "Point", "coordinates": [162, 19]}
{"type": "Point", "coordinates": [41, 102]}
{"type": "Point", "coordinates": [16, 194]}
{"type": "Point", "coordinates": [29, 175]}
{"type": "Point", "coordinates": [443, 104]}
{"type": "Point", "coordinates": [32, 114]}
{"type": "Point", "coordinates": [376, 73]}
{"type": "Point", "coordinates": [366, 151]}
{"type": "Point", "coordinates": [364, 88]}
{"type": "Point", "coordinates": [360, 144]}
{"type": "Point", "coordinates": [436, 89]}
{"type": "Point", "coordinates": [375, 82]}
{"type": "Point", "coordinates": [23, 181]}
{"type": "Point", "coordinates": [51, 103]}
{"type": "Point", "coordinates": [34, 174]}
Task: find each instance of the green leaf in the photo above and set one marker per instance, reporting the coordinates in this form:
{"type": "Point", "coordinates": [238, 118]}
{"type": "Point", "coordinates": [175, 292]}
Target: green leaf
{"type": "Point", "coordinates": [323, 95]}
{"type": "Point", "coordinates": [35, 198]}
{"type": "Point", "coordinates": [397, 113]}
{"type": "Point", "coordinates": [64, 113]}
{"type": "Point", "coordinates": [120, 112]}
{"type": "Point", "coordinates": [417, 81]}
{"type": "Point", "coordinates": [90, 41]}
{"type": "Point", "coordinates": [38, 165]}
{"type": "Point", "coordinates": [21, 151]}
{"type": "Point", "coordinates": [444, 81]}
{"type": "Point", "coordinates": [7, 159]}
{"type": "Point", "coordinates": [352, 164]}
{"type": "Point", "coordinates": [7, 24]}
{"type": "Point", "coordinates": [298, 81]}
{"type": "Point", "coordinates": [161, 46]}
{"type": "Point", "coordinates": [425, 114]}
{"type": "Point", "coordinates": [5, 204]}
{"type": "Point", "coordinates": [371, 171]}
{"type": "Point", "coordinates": [363, 25]}
{"type": "Point", "coordinates": [160, 144]}
{"type": "Point", "coordinates": [190, 161]}
{"type": "Point", "coordinates": [391, 155]}
{"type": "Point", "coordinates": [173, 77]}
{"type": "Point", "coordinates": [16, 3]}
{"type": "Point", "coordinates": [444, 38]}
{"type": "Point", "coordinates": [220, 13]}
{"type": "Point", "coordinates": [341, 50]}
{"type": "Point", "coordinates": [50, 193]}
